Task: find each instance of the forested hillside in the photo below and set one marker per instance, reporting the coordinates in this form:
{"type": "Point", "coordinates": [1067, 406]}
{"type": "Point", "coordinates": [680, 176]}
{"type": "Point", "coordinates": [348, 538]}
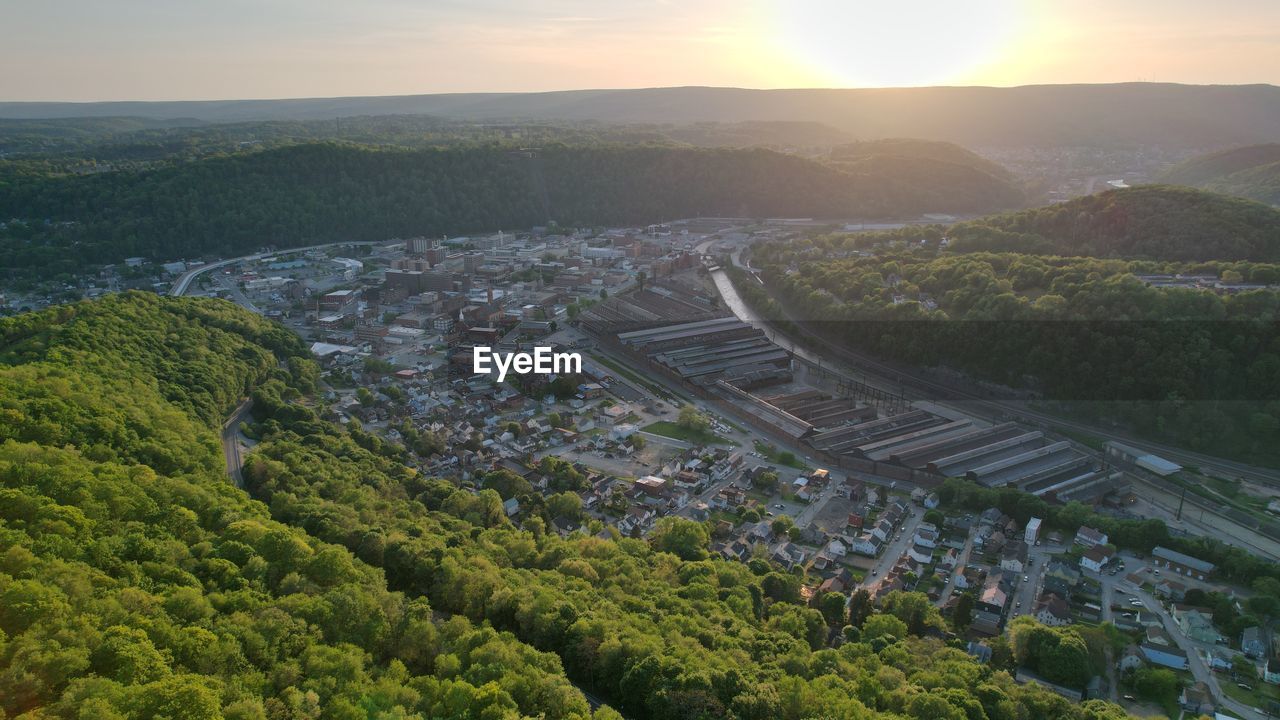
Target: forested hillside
{"type": "Point", "coordinates": [1187, 365]}
{"type": "Point", "coordinates": [1159, 222]}
{"type": "Point", "coordinates": [1251, 172]}
{"type": "Point", "coordinates": [308, 194]}
{"type": "Point", "coordinates": [935, 150]}
{"type": "Point", "coordinates": [137, 582]}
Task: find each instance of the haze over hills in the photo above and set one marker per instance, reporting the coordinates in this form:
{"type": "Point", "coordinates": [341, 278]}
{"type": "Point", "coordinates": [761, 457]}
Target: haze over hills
{"type": "Point", "coordinates": [1251, 172]}
{"type": "Point", "coordinates": [1123, 114]}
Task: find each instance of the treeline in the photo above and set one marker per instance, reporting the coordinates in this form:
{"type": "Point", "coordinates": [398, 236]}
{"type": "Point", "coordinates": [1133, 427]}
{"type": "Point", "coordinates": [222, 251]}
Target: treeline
{"type": "Point", "coordinates": [137, 582]}
{"type": "Point", "coordinates": [315, 193]}
{"type": "Point", "coordinates": [1191, 366]}
{"type": "Point", "coordinates": [1159, 222]}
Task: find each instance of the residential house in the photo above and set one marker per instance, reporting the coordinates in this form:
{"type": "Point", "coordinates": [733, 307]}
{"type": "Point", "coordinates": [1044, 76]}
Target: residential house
{"type": "Point", "coordinates": [761, 532]}
{"type": "Point", "coordinates": [1095, 558]}
{"type": "Point", "coordinates": [1014, 557]}
{"type": "Point", "coordinates": [1271, 672]}
{"type": "Point", "coordinates": [926, 538]}
{"type": "Point", "coordinates": [1052, 610]}
{"type": "Point", "coordinates": [1131, 658]}
{"type": "Point", "coordinates": [868, 544]}
{"type": "Point", "coordinates": [837, 548]}
{"type": "Point", "coordinates": [921, 555]}
{"type": "Point", "coordinates": [883, 530]}
{"type": "Point", "coordinates": [1219, 660]}
{"type": "Point", "coordinates": [1253, 642]}
{"type": "Point", "coordinates": [1163, 656]}
{"type": "Point", "coordinates": [1156, 635]}
{"type": "Point", "coordinates": [993, 597]}
{"type": "Point", "coordinates": [1195, 623]}
{"type": "Point", "coordinates": [565, 525]}
{"type": "Point", "coordinates": [979, 651]}
{"type": "Point", "coordinates": [511, 507]}
{"type": "Point", "coordinates": [1171, 589]}
{"type": "Point", "coordinates": [1196, 699]}
{"type": "Point", "coordinates": [950, 559]}
{"type": "Point", "coordinates": [789, 555]}
{"type": "Point", "coordinates": [854, 489]}
{"type": "Point", "coordinates": [1090, 537]}
{"type": "Point", "coordinates": [985, 623]}
{"type": "Point", "coordinates": [638, 520]}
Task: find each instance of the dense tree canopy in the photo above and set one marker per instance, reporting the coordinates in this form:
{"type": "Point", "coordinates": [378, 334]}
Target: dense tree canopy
{"type": "Point", "coordinates": [357, 587]}
{"type": "Point", "coordinates": [1188, 365]}
{"type": "Point", "coordinates": [137, 582]}
{"type": "Point", "coordinates": [308, 194]}
{"type": "Point", "coordinates": [1161, 222]}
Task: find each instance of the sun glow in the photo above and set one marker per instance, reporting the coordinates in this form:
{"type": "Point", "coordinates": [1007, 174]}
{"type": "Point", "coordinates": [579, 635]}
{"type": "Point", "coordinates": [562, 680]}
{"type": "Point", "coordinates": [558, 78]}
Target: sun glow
{"type": "Point", "coordinates": [858, 43]}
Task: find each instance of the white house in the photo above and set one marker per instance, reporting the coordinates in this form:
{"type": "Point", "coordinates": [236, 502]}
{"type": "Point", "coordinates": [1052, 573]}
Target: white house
{"type": "Point", "coordinates": [1090, 537]}
{"type": "Point", "coordinates": [1094, 558]}
{"type": "Point", "coordinates": [1052, 610]}
{"type": "Point", "coordinates": [926, 538]}
{"type": "Point", "coordinates": [867, 544]}
{"type": "Point", "coordinates": [883, 530]}
{"type": "Point", "coordinates": [837, 548]}
{"type": "Point", "coordinates": [921, 555]}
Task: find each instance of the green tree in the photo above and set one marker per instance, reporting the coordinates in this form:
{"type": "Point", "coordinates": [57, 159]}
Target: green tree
{"type": "Point", "coordinates": [686, 539]}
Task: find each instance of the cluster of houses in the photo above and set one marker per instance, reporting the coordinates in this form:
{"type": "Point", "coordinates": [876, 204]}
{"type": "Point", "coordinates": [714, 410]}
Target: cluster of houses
{"type": "Point", "coordinates": [760, 537]}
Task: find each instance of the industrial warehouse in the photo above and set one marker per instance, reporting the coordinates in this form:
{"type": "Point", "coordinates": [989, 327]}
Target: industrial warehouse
{"type": "Point", "coordinates": [721, 357]}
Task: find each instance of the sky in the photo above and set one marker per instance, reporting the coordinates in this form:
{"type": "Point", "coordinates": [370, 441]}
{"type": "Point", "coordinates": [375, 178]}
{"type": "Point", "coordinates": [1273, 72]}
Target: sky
{"type": "Point", "coordinates": [84, 50]}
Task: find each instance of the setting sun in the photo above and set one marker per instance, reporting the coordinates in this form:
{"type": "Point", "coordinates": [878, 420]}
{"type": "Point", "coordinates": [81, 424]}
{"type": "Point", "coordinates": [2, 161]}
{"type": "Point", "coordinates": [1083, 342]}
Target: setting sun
{"type": "Point", "coordinates": [864, 44]}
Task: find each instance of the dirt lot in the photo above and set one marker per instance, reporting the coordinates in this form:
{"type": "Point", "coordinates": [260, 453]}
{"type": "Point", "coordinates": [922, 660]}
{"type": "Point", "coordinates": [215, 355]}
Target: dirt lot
{"type": "Point", "coordinates": [834, 515]}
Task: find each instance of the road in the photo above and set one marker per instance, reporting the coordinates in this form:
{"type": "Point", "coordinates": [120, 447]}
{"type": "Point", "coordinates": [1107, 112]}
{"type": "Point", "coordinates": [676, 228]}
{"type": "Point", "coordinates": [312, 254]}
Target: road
{"type": "Point", "coordinates": [183, 283]}
{"type": "Point", "coordinates": [902, 539]}
{"type": "Point", "coordinates": [1194, 650]}
{"type": "Point", "coordinates": [231, 448]}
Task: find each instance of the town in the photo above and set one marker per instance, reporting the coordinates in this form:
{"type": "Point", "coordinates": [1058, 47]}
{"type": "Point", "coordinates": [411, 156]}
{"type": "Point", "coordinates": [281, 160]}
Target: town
{"type": "Point", "coordinates": [643, 392]}
{"type": "Point", "coordinates": [684, 409]}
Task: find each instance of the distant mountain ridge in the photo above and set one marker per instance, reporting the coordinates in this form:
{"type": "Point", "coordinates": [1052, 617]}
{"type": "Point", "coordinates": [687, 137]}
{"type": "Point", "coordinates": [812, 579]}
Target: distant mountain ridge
{"type": "Point", "coordinates": [1123, 114]}
{"type": "Point", "coordinates": [1251, 172]}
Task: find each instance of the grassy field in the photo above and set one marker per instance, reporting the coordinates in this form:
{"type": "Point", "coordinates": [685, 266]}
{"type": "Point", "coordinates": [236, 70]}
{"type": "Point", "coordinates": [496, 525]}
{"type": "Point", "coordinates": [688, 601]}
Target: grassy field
{"type": "Point", "coordinates": [1258, 697]}
{"type": "Point", "coordinates": [772, 454]}
{"type": "Point", "coordinates": [669, 429]}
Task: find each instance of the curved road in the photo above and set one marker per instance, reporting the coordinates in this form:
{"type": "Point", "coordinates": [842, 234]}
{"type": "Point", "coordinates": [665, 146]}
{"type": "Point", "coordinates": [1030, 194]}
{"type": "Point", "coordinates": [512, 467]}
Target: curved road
{"type": "Point", "coordinates": [183, 283]}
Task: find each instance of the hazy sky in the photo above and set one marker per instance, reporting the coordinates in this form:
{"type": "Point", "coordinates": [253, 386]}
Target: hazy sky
{"type": "Point", "coordinates": [207, 49]}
